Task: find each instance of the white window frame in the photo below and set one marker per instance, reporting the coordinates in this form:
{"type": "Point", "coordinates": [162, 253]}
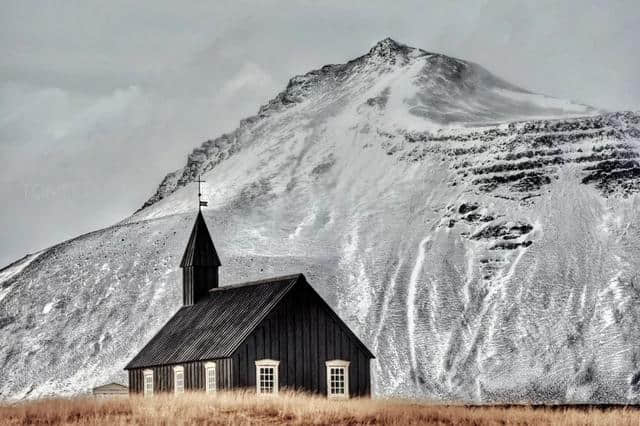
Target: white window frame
{"type": "Point", "coordinates": [267, 363]}
{"type": "Point", "coordinates": [344, 365]}
{"type": "Point", "coordinates": [145, 375]}
{"type": "Point", "coordinates": [210, 387]}
{"type": "Point", "coordinates": [178, 370]}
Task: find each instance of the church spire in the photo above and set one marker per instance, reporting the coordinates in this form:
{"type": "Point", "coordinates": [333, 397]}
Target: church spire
{"type": "Point", "coordinates": [200, 261]}
{"type": "Point", "coordinates": [200, 250]}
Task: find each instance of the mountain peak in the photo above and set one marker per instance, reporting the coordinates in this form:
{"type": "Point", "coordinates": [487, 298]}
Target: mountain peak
{"type": "Point", "coordinates": [424, 90]}
{"type": "Point", "coordinates": [387, 43]}
{"type": "Point", "coordinates": [388, 46]}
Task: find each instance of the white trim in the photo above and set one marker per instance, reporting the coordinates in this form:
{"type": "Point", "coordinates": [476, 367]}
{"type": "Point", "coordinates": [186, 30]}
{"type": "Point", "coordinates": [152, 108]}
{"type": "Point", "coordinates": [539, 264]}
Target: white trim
{"type": "Point", "coordinates": [213, 386]}
{"type": "Point", "coordinates": [145, 375]}
{"type": "Point", "coordinates": [267, 363]}
{"type": "Point", "coordinates": [339, 364]}
{"type": "Point", "coordinates": [178, 369]}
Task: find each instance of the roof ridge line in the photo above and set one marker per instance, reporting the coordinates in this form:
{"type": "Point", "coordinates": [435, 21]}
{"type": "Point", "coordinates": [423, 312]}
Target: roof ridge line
{"type": "Point", "coordinates": [256, 282]}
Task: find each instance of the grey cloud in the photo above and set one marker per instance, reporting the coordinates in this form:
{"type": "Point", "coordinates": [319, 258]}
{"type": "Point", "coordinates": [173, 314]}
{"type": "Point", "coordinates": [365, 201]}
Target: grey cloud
{"type": "Point", "coordinates": [99, 100]}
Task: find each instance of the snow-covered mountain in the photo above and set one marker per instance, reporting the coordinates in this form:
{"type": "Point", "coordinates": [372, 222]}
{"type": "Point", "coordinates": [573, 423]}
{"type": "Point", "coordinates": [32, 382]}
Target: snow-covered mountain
{"type": "Point", "coordinates": [484, 241]}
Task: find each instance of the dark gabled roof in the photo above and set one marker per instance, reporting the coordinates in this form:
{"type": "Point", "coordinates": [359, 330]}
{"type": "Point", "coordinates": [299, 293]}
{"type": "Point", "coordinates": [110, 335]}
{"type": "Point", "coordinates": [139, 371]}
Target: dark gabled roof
{"type": "Point", "coordinates": [200, 250]}
{"type": "Point", "coordinates": [214, 327]}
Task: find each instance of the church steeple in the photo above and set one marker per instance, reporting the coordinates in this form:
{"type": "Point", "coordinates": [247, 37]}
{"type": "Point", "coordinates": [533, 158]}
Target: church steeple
{"type": "Point", "coordinates": [199, 264]}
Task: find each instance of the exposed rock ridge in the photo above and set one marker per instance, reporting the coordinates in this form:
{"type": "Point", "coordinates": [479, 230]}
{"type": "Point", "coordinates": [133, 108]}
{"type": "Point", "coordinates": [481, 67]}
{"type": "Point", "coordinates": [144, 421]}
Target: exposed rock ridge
{"type": "Point", "coordinates": [522, 158]}
{"type": "Point", "coordinates": [446, 74]}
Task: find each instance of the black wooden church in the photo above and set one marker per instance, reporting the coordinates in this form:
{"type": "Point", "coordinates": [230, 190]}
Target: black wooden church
{"type": "Point", "coordinates": [265, 335]}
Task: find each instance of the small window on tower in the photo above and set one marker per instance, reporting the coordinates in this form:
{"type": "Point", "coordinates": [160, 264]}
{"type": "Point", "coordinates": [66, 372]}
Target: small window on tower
{"type": "Point", "coordinates": [178, 379]}
{"type": "Point", "coordinates": [148, 382]}
{"type": "Point", "coordinates": [210, 377]}
{"type": "Point", "coordinates": [267, 376]}
{"type": "Point", "coordinates": [337, 379]}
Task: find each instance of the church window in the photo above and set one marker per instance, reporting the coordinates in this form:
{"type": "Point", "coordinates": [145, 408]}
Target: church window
{"type": "Point", "coordinates": [178, 379]}
{"type": "Point", "coordinates": [148, 382]}
{"type": "Point", "coordinates": [337, 379]}
{"type": "Point", "coordinates": [210, 376]}
{"type": "Point", "coordinates": [267, 376]}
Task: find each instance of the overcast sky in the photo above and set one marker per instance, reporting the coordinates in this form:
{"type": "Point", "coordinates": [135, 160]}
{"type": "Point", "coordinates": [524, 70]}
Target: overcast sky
{"type": "Point", "coordinates": [99, 100]}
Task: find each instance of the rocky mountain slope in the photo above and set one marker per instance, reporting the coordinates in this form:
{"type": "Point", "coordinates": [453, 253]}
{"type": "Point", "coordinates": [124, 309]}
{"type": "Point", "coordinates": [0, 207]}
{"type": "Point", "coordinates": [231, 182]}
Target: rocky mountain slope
{"type": "Point", "coordinates": [483, 240]}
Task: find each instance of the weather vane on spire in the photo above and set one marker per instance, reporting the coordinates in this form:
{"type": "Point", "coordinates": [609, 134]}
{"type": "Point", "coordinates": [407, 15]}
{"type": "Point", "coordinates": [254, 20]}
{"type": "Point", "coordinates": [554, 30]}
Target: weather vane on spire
{"type": "Point", "coordinates": [201, 203]}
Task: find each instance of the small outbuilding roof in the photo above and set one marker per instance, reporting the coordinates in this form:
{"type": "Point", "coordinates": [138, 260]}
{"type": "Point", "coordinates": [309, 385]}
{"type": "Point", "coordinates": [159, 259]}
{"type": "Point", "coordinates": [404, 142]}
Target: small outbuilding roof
{"type": "Point", "coordinates": [110, 389]}
{"type": "Point", "coordinates": [215, 327]}
{"type": "Point", "coordinates": [111, 385]}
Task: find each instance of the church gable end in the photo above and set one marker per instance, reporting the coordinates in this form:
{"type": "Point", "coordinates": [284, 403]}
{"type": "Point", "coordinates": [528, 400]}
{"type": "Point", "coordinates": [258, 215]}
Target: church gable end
{"type": "Point", "coordinates": [302, 332]}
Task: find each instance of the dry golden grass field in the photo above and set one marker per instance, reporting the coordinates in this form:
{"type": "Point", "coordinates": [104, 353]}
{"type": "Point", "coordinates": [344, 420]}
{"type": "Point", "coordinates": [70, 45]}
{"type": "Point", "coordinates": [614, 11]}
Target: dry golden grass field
{"type": "Point", "coordinates": [244, 408]}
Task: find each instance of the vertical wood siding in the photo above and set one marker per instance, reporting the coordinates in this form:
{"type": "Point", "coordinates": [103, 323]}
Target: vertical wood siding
{"type": "Point", "coordinates": [302, 334]}
{"type": "Point", "coordinates": [196, 283]}
{"type": "Point", "coordinates": [194, 376]}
